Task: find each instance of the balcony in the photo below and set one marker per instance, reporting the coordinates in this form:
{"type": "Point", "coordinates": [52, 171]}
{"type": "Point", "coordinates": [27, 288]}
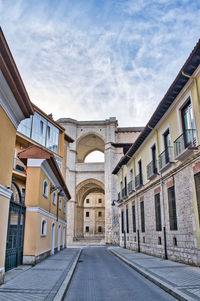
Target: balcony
{"type": "Point", "coordinates": [152, 170]}
{"type": "Point", "coordinates": [124, 192]}
{"type": "Point", "coordinates": [185, 145]}
{"type": "Point", "coordinates": [138, 181]}
{"type": "Point", "coordinates": [18, 165]}
{"type": "Point", "coordinates": [131, 187]}
{"type": "Point", "coordinates": [166, 158]}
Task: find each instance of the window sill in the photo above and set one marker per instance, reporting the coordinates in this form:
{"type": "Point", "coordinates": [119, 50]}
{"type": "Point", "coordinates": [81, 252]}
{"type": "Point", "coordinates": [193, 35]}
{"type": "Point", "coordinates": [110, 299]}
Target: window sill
{"type": "Point", "coordinates": [43, 235]}
{"type": "Point", "coordinates": [45, 196]}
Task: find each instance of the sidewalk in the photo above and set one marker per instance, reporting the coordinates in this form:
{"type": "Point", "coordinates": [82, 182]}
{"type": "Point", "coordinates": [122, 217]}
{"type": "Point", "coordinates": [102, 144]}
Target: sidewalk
{"type": "Point", "coordinates": [48, 280]}
{"type": "Point", "coordinates": [180, 280]}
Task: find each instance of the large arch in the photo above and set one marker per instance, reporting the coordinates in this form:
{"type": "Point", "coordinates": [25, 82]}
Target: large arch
{"type": "Point", "coordinates": [89, 187]}
{"type": "Point", "coordinates": [88, 143]}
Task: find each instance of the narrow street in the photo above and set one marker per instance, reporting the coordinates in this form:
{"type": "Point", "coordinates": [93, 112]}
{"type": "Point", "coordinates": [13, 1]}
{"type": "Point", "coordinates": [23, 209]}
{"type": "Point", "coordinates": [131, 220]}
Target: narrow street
{"type": "Point", "coordinates": [100, 276]}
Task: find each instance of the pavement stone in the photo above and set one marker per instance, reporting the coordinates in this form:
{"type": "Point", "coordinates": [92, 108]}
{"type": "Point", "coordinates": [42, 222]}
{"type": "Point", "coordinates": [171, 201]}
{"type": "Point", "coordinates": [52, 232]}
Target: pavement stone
{"type": "Point", "coordinates": [180, 280]}
{"type": "Point", "coordinates": [41, 282]}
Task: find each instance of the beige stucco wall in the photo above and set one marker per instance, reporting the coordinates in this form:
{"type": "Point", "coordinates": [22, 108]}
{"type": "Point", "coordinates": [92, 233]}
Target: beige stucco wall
{"type": "Point", "coordinates": [7, 146]}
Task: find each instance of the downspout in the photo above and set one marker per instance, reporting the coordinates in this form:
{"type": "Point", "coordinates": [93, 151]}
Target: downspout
{"type": "Point", "coordinates": [162, 193]}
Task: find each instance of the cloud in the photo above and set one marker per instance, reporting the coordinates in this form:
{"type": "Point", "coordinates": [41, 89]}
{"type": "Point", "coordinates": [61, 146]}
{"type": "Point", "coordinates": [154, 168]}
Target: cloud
{"type": "Point", "coordinates": [91, 60]}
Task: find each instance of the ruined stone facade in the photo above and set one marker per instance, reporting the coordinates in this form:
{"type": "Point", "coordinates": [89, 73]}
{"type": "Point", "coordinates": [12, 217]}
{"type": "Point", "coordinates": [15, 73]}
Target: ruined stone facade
{"type": "Point", "coordinates": [85, 178]}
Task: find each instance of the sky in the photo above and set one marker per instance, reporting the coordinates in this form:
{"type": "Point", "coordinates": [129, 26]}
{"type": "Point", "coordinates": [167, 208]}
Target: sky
{"type": "Point", "coordinates": [93, 59]}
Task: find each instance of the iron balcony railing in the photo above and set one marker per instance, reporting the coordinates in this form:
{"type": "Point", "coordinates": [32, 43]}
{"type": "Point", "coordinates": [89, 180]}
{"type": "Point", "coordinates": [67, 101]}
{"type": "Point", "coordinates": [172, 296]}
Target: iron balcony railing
{"type": "Point", "coordinates": [185, 140]}
{"type": "Point", "coordinates": [138, 181]}
{"type": "Point", "coordinates": [131, 187]}
{"type": "Point", "coordinates": [152, 169]}
{"type": "Point", "coordinates": [18, 165]}
{"type": "Point", "coordinates": [124, 192]}
{"type": "Point", "coordinates": [166, 157]}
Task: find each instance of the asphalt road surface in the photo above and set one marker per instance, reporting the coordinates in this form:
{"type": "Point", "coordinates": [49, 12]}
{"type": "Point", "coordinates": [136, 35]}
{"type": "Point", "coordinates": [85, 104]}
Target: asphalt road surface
{"type": "Point", "coordinates": [100, 276]}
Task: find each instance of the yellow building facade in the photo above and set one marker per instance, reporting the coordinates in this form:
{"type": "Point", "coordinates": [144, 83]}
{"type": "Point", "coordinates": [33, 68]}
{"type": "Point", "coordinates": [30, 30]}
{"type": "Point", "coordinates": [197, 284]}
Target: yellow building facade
{"type": "Point", "coordinates": [159, 176]}
{"type": "Point", "coordinates": [15, 106]}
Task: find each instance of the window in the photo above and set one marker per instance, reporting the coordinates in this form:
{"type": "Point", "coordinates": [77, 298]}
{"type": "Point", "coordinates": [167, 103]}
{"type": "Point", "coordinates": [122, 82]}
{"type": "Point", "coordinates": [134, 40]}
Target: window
{"type": "Point", "coordinates": [45, 188]}
{"type": "Point", "coordinates": [60, 204]}
{"type": "Point", "coordinates": [142, 216]}
{"type": "Point", "coordinates": [54, 198]}
{"type": "Point", "coordinates": [48, 132]}
{"type": "Point", "coordinates": [166, 145]}
{"type": "Point", "coordinates": [158, 212]}
{"type": "Point", "coordinates": [87, 214]}
{"type": "Point", "coordinates": [41, 127]}
{"type": "Point", "coordinates": [121, 190]}
{"type": "Point", "coordinates": [23, 190]}
{"type": "Point", "coordinates": [43, 227]}
{"type": "Point", "coordinates": [154, 160]}
{"type": "Point", "coordinates": [87, 229]}
{"type": "Point", "coordinates": [188, 124]}
{"type": "Point", "coordinates": [100, 201]}
{"type": "Point", "coordinates": [127, 223]}
{"type": "Point", "coordinates": [41, 130]}
{"type": "Point", "coordinates": [172, 208]}
{"type": "Point", "coordinates": [197, 186]}
{"type": "Point", "coordinates": [122, 221]}
{"type": "Point", "coordinates": [99, 214]}
{"type": "Point", "coordinates": [125, 186]}
{"type": "Point", "coordinates": [64, 208]}
{"type": "Point", "coordinates": [134, 218]}
{"type": "Point", "coordinates": [131, 174]}
{"type": "Point", "coordinates": [87, 201]}
{"type": "Point", "coordinates": [99, 229]}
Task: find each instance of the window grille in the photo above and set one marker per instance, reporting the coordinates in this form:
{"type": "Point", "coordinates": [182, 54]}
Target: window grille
{"type": "Point", "coordinates": [158, 212]}
{"type": "Point", "coordinates": [172, 209]}
{"type": "Point", "coordinates": [127, 223]}
{"type": "Point", "coordinates": [134, 218]}
{"type": "Point", "coordinates": [142, 216]}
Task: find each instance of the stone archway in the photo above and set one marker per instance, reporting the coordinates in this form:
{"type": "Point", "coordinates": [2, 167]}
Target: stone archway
{"type": "Point", "coordinates": [104, 136]}
{"type": "Point", "coordinates": [89, 189]}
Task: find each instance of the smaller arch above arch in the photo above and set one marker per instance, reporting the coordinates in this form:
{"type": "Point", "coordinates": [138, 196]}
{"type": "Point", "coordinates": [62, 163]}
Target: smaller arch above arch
{"type": "Point", "coordinates": [87, 144]}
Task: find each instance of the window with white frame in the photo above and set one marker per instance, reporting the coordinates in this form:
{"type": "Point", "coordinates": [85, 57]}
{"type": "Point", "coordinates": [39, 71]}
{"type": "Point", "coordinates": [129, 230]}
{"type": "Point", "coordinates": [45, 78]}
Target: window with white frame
{"type": "Point", "coordinates": [60, 204]}
{"type": "Point", "coordinates": [54, 198]}
{"type": "Point", "coordinates": [43, 227]}
{"type": "Point", "coordinates": [45, 188]}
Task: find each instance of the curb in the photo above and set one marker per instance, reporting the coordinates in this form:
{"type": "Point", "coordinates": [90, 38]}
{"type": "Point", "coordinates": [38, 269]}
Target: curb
{"type": "Point", "coordinates": [166, 287]}
{"type": "Point", "coordinates": [66, 282]}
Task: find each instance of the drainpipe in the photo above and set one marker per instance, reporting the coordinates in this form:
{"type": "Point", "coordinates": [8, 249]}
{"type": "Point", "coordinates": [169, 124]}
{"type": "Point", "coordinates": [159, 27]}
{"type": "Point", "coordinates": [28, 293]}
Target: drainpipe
{"type": "Point", "coordinates": [164, 222]}
{"type": "Point", "coordinates": [195, 82]}
{"type": "Point", "coordinates": [138, 226]}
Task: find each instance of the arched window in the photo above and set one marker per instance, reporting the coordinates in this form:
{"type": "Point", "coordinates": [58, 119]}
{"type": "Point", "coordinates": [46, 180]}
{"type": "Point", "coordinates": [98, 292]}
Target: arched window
{"type": "Point", "coordinates": [54, 198]}
{"type": "Point", "coordinates": [95, 157]}
{"type": "Point", "coordinates": [60, 204]}
{"type": "Point", "coordinates": [45, 188]}
{"type": "Point", "coordinates": [43, 227]}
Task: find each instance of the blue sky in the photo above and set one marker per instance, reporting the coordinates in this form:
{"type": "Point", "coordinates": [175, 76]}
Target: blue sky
{"type": "Point", "coordinates": [92, 59]}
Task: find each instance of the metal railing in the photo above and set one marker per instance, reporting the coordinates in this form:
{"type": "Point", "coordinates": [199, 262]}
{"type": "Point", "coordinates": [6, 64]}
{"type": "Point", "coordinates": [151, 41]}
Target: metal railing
{"type": "Point", "coordinates": [166, 157]}
{"type": "Point", "coordinates": [152, 169]}
{"type": "Point", "coordinates": [124, 192]}
{"type": "Point", "coordinates": [185, 140]}
{"type": "Point", "coordinates": [138, 180]}
{"type": "Point", "coordinates": [131, 186]}
{"type": "Point", "coordinates": [18, 165]}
